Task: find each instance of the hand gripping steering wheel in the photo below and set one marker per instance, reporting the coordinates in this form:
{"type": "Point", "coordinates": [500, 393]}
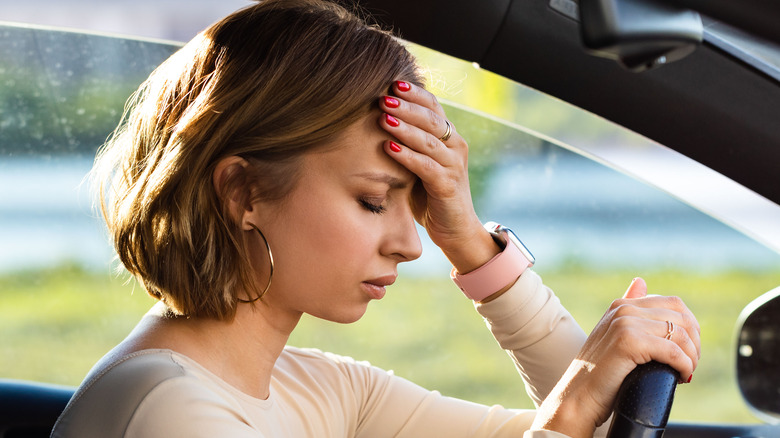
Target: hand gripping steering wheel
{"type": "Point", "coordinates": [644, 401]}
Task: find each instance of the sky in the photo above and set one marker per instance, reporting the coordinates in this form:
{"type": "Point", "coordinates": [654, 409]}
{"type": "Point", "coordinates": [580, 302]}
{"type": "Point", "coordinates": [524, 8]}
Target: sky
{"type": "Point", "coordinates": [177, 20]}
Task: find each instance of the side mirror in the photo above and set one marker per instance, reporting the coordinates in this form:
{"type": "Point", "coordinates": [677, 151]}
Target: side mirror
{"type": "Point", "coordinates": [639, 34]}
{"type": "Point", "coordinates": [758, 355]}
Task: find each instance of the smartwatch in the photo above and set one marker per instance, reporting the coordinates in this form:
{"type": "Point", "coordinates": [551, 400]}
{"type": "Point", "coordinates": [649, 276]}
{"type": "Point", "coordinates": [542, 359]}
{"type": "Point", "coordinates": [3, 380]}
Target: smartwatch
{"type": "Point", "coordinates": [500, 271]}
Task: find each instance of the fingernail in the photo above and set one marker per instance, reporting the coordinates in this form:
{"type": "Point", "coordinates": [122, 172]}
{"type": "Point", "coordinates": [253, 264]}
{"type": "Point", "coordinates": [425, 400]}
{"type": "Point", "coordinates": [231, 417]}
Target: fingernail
{"type": "Point", "coordinates": [394, 147]}
{"type": "Point", "coordinates": [690, 378]}
{"type": "Point", "coordinates": [403, 86]}
{"type": "Point", "coordinates": [392, 121]}
{"type": "Point", "coordinates": [392, 102]}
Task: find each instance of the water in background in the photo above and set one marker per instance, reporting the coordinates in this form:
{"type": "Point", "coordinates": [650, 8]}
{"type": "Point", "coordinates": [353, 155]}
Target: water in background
{"type": "Point", "coordinates": [572, 212]}
{"type": "Point", "coordinates": [46, 216]}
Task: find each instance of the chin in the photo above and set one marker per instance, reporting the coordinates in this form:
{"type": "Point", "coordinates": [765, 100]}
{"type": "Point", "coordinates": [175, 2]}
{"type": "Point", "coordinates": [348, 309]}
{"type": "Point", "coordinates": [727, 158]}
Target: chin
{"type": "Point", "coordinates": [345, 317]}
{"type": "Point", "coordinates": [350, 318]}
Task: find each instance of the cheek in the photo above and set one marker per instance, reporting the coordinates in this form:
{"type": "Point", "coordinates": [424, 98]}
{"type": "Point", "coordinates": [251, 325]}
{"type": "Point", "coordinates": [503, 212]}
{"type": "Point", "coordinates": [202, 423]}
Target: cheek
{"type": "Point", "coordinates": [333, 233]}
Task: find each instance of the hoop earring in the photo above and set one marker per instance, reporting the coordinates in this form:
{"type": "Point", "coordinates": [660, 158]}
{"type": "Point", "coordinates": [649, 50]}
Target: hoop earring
{"type": "Point", "coordinates": [271, 275]}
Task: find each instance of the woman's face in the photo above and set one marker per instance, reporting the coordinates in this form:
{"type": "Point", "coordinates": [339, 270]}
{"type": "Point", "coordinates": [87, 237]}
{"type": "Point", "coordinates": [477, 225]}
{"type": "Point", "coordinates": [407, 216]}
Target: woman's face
{"type": "Point", "coordinates": [338, 237]}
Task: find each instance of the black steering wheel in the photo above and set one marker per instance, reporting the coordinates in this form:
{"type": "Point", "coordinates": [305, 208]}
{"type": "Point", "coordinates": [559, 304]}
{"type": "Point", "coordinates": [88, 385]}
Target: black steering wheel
{"type": "Point", "coordinates": [644, 401]}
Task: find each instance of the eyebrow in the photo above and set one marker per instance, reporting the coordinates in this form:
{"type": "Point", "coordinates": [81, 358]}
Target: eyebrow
{"type": "Point", "coordinates": [391, 181]}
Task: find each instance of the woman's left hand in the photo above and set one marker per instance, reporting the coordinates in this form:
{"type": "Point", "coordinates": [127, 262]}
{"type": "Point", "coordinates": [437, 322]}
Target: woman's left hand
{"type": "Point", "coordinates": [443, 205]}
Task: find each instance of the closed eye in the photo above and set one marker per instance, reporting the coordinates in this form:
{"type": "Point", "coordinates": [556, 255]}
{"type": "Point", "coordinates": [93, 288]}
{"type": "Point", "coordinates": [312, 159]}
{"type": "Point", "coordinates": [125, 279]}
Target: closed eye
{"type": "Point", "coordinates": [372, 207]}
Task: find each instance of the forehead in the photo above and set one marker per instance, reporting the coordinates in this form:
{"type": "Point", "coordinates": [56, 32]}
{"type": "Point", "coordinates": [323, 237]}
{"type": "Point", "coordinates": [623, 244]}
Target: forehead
{"type": "Point", "coordinates": [359, 149]}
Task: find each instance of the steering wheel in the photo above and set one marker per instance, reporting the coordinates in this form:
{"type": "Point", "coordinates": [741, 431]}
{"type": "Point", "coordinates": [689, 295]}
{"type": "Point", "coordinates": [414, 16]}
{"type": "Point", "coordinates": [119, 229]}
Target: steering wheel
{"type": "Point", "coordinates": [644, 401]}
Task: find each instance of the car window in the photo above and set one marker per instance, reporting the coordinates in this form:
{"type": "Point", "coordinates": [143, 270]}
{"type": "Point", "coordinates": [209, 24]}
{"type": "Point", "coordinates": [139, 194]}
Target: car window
{"type": "Point", "coordinates": [592, 226]}
{"type": "Point", "coordinates": [61, 94]}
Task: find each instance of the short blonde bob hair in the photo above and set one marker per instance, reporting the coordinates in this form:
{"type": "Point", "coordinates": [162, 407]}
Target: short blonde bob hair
{"type": "Point", "coordinates": [268, 83]}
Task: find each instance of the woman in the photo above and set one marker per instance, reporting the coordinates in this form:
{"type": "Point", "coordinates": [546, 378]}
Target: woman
{"type": "Point", "coordinates": [275, 166]}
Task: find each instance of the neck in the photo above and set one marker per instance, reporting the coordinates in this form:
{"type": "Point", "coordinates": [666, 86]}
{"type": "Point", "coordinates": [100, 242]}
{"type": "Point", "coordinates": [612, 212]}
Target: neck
{"type": "Point", "coordinates": [242, 352]}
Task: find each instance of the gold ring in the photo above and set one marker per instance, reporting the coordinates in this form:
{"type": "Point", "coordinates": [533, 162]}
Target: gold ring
{"type": "Point", "coordinates": [448, 133]}
{"type": "Point", "coordinates": [669, 330]}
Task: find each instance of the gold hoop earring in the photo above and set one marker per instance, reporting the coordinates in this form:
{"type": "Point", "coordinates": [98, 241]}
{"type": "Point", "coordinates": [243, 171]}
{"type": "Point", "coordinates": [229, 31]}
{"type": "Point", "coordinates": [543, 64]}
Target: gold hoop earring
{"type": "Point", "coordinates": [270, 275]}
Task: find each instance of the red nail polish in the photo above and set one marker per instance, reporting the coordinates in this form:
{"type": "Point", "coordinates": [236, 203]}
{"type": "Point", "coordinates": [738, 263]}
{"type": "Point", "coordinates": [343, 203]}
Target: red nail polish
{"type": "Point", "coordinates": [392, 121]}
{"type": "Point", "coordinates": [394, 147]}
{"type": "Point", "coordinates": [392, 102]}
{"type": "Point", "coordinates": [403, 86]}
{"type": "Point", "coordinates": [690, 378]}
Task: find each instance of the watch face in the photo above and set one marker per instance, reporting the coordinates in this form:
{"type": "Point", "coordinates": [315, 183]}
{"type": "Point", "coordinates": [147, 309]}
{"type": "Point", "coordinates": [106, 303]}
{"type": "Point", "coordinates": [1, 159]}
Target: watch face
{"type": "Point", "coordinates": [500, 231]}
{"type": "Point", "coordinates": [519, 244]}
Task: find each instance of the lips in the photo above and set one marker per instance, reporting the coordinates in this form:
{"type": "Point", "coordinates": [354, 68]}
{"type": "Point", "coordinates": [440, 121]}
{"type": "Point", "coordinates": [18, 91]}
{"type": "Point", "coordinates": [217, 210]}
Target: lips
{"type": "Point", "coordinates": [375, 288]}
{"type": "Point", "coordinates": [383, 281]}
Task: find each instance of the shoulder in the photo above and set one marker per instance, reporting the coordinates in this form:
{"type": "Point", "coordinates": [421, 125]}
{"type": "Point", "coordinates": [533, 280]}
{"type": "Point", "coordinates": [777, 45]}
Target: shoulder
{"type": "Point", "coordinates": [111, 396]}
{"type": "Point", "coordinates": [314, 371]}
{"type": "Point", "coordinates": [317, 361]}
{"type": "Point", "coordinates": [315, 356]}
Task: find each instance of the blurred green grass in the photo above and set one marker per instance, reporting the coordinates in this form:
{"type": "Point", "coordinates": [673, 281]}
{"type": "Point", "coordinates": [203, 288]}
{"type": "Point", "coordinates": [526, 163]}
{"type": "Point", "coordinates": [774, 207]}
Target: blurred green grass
{"type": "Point", "coordinates": [56, 323]}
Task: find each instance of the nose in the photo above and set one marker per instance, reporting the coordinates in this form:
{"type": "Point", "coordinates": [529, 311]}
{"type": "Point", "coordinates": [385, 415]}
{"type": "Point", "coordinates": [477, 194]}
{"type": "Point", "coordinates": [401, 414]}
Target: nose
{"type": "Point", "coordinates": [403, 242]}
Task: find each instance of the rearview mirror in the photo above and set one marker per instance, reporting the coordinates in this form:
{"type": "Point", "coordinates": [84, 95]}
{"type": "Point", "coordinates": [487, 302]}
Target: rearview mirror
{"type": "Point", "coordinates": [758, 355]}
{"type": "Point", "coordinates": [639, 34]}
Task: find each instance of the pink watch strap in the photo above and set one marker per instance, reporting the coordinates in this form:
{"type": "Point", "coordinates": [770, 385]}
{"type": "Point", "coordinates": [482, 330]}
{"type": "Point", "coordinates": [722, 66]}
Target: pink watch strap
{"type": "Point", "coordinates": [499, 272]}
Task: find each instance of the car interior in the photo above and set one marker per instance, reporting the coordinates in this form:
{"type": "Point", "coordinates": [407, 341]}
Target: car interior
{"type": "Point", "coordinates": [700, 77]}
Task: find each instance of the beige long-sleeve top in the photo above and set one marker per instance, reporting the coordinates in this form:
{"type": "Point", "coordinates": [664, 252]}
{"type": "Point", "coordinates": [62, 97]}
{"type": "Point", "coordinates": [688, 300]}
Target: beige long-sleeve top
{"type": "Point", "coordinates": [160, 393]}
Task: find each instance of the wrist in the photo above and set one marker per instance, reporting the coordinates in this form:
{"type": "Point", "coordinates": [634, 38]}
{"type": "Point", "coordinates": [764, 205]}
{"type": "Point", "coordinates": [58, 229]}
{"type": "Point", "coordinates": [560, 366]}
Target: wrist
{"type": "Point", "coordinates": [479, 250]}
{"type": "Point", "coordinates": [563, 410]}
{"type": "Point", "coordinates": [499, 273]}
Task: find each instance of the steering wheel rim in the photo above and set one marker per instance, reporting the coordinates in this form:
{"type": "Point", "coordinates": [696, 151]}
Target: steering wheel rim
{"type": "Point", "coordinates": [644, 402]}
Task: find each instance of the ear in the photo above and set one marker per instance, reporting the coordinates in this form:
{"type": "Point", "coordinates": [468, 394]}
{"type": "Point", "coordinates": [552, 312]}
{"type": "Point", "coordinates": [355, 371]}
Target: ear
{"type": "Point", "coordinates": [230, 184]}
